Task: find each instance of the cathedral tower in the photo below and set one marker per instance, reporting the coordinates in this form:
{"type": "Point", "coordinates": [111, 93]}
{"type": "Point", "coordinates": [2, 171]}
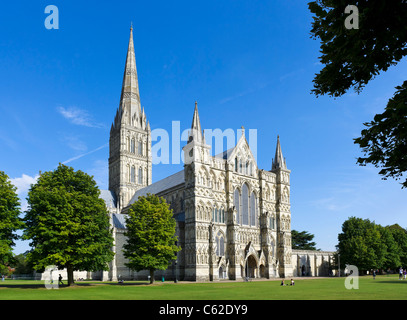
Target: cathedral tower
{"type": "Point", "coordinates": [196, 161]}
{"type": "Point", "coordinates": [283, 212]}
{"type": "Point", "coordinates": [196, 150]}
{"type": "Point", "coordinates": [130, 159]}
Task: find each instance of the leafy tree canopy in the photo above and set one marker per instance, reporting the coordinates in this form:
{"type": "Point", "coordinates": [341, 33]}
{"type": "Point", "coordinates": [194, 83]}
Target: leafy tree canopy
{"type": "Point", "coordinates": [67, 223]}
{"type": "Point", "coordinates": [151, 240]}
{"type": "Point", "coordinates": [352, 57]}
{"type": "Point", "coordinates": [9, 219]}
{"type": "Point", "coordinates": [302, 240]}
{"type": "Point", "coordinates": [368, 245]}
{"type": "Point", "coordinates": [400, 237]}
{"type": "Point", "coordinates": [384, 142]}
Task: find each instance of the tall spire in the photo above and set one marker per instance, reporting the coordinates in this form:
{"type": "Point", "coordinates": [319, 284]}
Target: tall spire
{"type": "Point", "coordinates": [278, 161]}
{"type": "Point", "coordinates": [130, 92]}
{"type": "Point", "coordinates": [130, 138]}
{"type": "Point", "coordinates": [196, 131]}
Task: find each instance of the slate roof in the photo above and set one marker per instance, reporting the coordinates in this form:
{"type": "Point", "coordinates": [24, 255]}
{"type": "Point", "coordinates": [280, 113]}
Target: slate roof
{"type": "Point", "coordinates": [225, 154]}
{"type": "Point", "coordinates": [109, 198]}
{"type": "Point", "coordinates": [159, 186]}
{"type": "Point", "coordinates": [119, 221]}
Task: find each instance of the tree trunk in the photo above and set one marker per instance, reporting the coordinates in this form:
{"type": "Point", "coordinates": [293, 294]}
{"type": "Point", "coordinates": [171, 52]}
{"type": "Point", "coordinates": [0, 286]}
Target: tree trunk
{"type": "Point", "coordinates": [71, 282]}
{"type": "Point", "coordinates": [151, 276]}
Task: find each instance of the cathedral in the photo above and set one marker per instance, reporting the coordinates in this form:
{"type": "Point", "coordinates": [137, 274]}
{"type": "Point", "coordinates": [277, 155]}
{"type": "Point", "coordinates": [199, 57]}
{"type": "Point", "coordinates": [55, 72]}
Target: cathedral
{"type": "Point", "coordinates": [233, 219]}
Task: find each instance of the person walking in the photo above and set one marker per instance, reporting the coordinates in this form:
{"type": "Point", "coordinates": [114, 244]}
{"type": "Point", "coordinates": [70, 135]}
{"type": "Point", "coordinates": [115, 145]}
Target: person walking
{"type": "Point", "coordinates": [60, 280]}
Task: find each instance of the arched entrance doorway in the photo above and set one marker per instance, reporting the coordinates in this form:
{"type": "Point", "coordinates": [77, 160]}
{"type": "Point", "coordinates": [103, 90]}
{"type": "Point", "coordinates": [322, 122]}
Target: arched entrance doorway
{"type": "Point", "coordinates": [262, 271]}
{"type": "Point", "coordinates": [251, 267]}
{"type": "Point", "coordinates": [222, 272]}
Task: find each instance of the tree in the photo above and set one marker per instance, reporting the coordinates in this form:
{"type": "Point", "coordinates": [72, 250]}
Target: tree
{"type": "Point", "coordinates": [151, 240]}
{"type": "Point", "coordinates": [21, 265]}
{"type": "Point", "coordinates": [353, 57]}
{"type": "Point", "coordinates": [302, 240]}
{"type": "Point", "coordinates": [9, 219]}
{"type": "Point", "coordinates": [68, 223]}
{"type": "Point", "coordinates": [400, 237]}
{"type": "Point", "coordinates": [384, 143]}
{"type": "Point", "coordinates": [392, 250]}
{"type": "Point", "coordinates": [361, 244]}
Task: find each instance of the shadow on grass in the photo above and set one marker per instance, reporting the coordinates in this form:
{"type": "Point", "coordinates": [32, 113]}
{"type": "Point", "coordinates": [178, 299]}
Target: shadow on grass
{"type": "Point", "coordinates": [22, 286]}
{"type": "Point", "coordinates": [11, 285]}
{"type": "Point", "coordinates": [122, 284]}
{"type": "Point", "coordinates": [393, 281]}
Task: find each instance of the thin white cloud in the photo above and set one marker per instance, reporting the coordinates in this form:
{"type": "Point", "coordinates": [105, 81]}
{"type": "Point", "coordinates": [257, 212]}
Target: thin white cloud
{"type": "Point", "coordinates": [291, 74]}
{"type": "Point", "coordinates": [78, 116]}
{"type": "Point", "coordinates": [330, 204]}
{"type": "Point", "coordinates": [239, 95]}
{"type": "Point", "coordinates": [24, 183]}
{"type": "Point", "coordinates": [75, 143]}
{"type": "Point", "coordinates": [243, 93]}
{"type": "Point", "coordinates": [84, 154]}
{"type": "Point", "coordinates": [8, 141]}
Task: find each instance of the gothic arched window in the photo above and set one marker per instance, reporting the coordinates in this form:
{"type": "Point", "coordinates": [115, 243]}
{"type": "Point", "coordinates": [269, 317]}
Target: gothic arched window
{"type": "Point", "coordinates": [215, 214]}
{"type": "Point", "coordinates": [253, 210]}
{"type": "Point", "coordinates": [245, 204]}
{"type": "Point", "coordinates": [140, 148]}
{"type": "Point", "coordinates": [140, 175]}
{"type": "Point", "coordinates": [133, 174]}
{"type": "Point", "coordinates": [220, 245]}
{"type": "Point", "coordinates": [132, 146]}
{"type": "Point", "coordinates": [272, 224]}
{"type": "Point", "coordinates": [236, 203]}
{"type": "Point", "coordinates": [222, 215]}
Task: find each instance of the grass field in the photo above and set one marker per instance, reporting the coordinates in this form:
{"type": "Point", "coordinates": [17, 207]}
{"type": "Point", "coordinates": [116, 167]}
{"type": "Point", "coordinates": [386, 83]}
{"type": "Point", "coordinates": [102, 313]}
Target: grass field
{"type": "Point", "coordinates": [382, 288]}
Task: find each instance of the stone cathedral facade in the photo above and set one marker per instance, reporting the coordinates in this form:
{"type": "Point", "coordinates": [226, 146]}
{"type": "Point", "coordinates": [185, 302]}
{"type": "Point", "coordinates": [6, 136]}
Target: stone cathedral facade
{"type": "Point", "coordinates": [233, 218]}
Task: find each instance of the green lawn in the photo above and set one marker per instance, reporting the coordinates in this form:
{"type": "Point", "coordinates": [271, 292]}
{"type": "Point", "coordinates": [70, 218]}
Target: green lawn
{"type": "Point", "coordinates": [383, 288]}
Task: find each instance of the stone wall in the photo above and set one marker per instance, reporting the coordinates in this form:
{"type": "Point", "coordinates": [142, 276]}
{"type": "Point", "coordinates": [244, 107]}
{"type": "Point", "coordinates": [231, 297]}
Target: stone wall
{"type": "Point", "coordinates": [312, 263]}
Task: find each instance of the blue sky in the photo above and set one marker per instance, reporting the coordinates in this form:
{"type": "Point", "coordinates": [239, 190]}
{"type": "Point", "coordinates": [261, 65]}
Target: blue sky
{"type": "Point", "coordinates": [247, 63]}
